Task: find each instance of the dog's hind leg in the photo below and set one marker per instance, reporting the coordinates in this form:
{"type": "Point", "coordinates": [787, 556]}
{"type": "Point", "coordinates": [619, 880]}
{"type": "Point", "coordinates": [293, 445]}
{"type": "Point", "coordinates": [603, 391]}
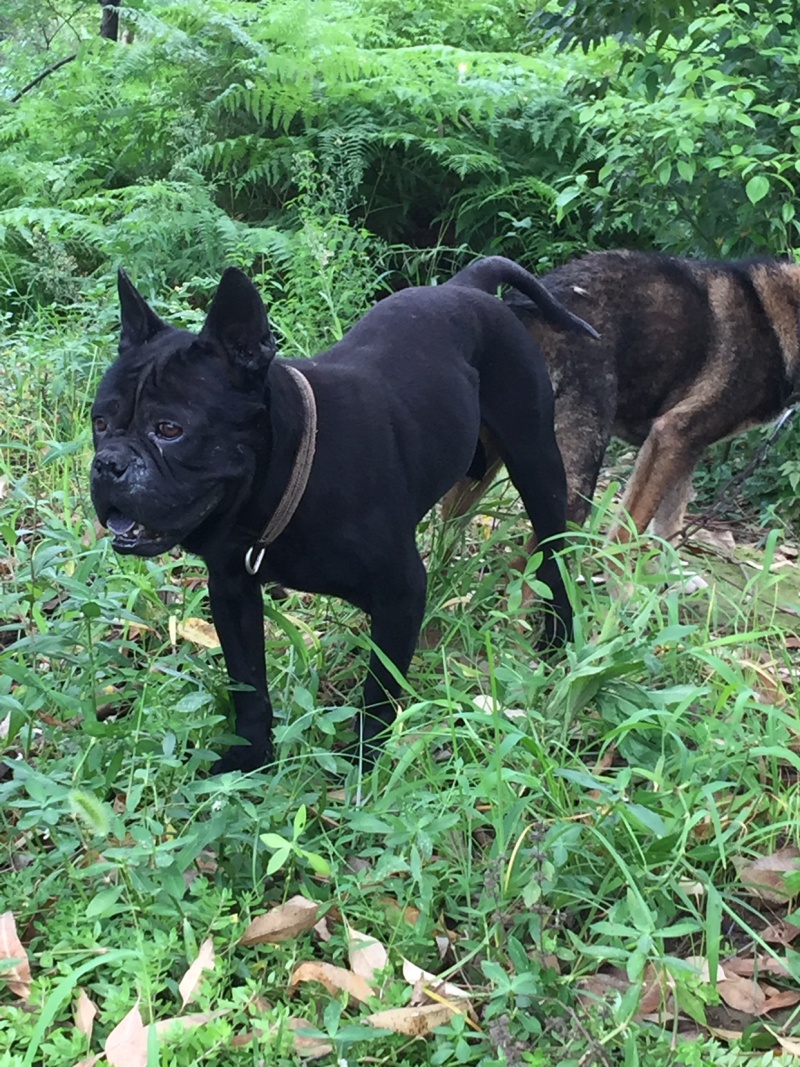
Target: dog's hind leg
{"type": "Point", "coordinates": [528, 447]}
{"type": "Point", "coordinates": [396, 607]}
{"type": "Point", "coordinates": [670, 518]}
{"type": "Point", "coordinates": [665, 463]}
{"type": "Point", "coordinates": [545, 504]}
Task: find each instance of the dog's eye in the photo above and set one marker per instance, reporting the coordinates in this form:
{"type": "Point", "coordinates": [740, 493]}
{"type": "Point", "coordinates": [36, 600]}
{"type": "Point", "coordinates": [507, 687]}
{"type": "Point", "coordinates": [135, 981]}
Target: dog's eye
{"type": "Point", "coordinates": [169, 431]}
{"type": "Point", "coordinates": [99, 423]}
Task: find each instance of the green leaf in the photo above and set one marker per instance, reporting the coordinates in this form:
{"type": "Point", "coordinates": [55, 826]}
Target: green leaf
{"type": "Point", "coordinates": [300, 821]}
{"type": "Point", "coordinates": [102, 902]}
{"type": "Point", "coordinates": [275, 841]}
{"type": "Point", "coordinates": [757, 188]}
{"type": "Point", "coordinates": [277, 860]}
{"type": "Point", "coordinates": [316, 862]}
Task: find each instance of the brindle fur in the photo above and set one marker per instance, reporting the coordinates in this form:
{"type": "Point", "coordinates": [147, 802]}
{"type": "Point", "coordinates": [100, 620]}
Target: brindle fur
{"type": "Point", "coordinates": [690, 352]}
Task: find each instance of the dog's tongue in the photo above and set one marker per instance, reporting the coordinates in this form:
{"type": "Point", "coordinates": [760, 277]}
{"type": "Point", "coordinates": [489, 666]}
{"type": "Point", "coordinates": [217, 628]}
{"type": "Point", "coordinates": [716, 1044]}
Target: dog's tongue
{"type": "Point", "coordinates": [118, 523]}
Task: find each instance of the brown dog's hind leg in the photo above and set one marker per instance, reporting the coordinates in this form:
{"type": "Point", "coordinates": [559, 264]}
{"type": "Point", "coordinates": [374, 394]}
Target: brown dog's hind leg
{"type": "Point", "coordinates": [662, 473]}
{"type": "Point", "coordinates": [670, 518]}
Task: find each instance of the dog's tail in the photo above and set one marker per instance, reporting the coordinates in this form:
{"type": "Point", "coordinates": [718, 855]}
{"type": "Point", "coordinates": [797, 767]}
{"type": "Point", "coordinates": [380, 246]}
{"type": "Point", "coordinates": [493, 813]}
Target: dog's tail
{"type": "Point", "coordinates": [490, 273]}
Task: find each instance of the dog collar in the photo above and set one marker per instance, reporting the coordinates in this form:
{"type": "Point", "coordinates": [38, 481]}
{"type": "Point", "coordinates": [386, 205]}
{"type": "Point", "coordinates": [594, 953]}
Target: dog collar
{"type": "Point", "coordinates": [298, 480]}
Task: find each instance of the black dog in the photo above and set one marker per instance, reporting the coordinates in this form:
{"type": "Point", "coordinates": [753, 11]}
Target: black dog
{"type": "Point", "coordinates": [314, 473]}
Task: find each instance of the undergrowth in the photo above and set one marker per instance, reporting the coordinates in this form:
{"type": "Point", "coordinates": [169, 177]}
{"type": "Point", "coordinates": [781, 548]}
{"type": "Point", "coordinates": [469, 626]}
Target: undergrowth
{"type": "Point", "coordinates": [532, 824]}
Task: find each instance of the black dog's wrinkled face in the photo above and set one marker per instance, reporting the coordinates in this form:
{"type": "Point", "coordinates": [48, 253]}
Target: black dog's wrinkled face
{"type": "Point", "coordinates": [174, 417]}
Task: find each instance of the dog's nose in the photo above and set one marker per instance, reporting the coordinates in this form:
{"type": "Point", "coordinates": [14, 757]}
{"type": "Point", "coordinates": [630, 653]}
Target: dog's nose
{"type": "Point", "coordinates": [110, 463]}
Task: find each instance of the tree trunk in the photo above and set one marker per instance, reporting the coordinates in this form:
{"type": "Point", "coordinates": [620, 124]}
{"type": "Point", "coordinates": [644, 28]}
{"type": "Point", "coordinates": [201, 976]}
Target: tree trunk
{"type": "Point", "coordinates": [109, 24]}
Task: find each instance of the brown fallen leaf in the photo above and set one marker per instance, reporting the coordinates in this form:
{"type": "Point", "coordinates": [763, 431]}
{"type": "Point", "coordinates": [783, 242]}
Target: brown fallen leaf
{"type": "Point", "coordinates": [596, 986]}
{"type": "Point", "coordinates": [321, 929]}
{"type": "Point", "coordinates": [742, 994]}
{"type": "Point", "coordinates": [788, 1044]}
{"type": "Point", "coordinates": [335, 979]}
{"type": "Point", "coordinates": [783, 998]}
{"type": "Point", "coordinates": [199, 632]}
{"type": "Point", "coordinates": [413, 1022]}
{"type": "Point", "coordinates": [18, 976]}
{"type": "Point", "coordinates": [748, 966]}
{"type": "Point", "coordinates": [85, 1012]}
{"type": "Point", "coordinates": [769, 688]}
{"type": "Point", "coordinates": [309, 1048]}
{"type": "Point", "coordinates": [763, 878]}
{"type": "Point", "coordinates": [282, 923]}
{"type": "Point", "coordinates": [243, 1039]}
{"type": "Point", "coordinates": [395, 913]}
{"type": "Point", "coordinates": [725, 1034]}
{"type": "Point", "coordinates": [781, 932]}
{"type": "Point", "coordinates": [190, 983]}
{"type": "Point", "coordinates": [717, 538]}
{"type": "Point", "coordinates": [367, 955]}
{"type": "Point", "coordinates": [657, 987]}
{"type": "Point", "coordinates": [126, 1045]}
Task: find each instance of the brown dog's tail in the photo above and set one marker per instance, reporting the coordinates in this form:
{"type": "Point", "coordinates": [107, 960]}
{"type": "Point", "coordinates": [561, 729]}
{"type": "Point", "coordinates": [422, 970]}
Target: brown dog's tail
{"type": "Point", "coordinates": [490, 273]}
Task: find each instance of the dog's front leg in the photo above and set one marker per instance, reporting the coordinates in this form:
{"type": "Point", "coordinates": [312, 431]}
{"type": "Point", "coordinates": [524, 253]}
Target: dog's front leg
{"type": "Point", "coordinates": [238, 614]}
{"type": "Point", "coordinates": [396, 609]}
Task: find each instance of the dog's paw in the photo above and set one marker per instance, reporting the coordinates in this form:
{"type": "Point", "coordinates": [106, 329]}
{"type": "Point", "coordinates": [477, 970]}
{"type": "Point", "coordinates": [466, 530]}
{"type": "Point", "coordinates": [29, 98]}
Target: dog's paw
{"type": "Point", "coordinates": [243, 758]}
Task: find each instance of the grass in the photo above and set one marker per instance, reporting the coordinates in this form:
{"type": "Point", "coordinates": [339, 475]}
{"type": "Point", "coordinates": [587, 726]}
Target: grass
{"type": "Point", "coordinates": [555, 838]}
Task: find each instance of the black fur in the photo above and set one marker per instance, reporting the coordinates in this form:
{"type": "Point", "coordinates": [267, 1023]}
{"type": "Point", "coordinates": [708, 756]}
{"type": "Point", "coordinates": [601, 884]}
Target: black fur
{"type": "Point", "coordinates": [401, 401]}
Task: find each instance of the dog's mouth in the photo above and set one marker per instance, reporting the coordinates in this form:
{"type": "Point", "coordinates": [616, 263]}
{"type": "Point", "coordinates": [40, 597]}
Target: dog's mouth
{"type": "Point", "coordinates": [132, 538]}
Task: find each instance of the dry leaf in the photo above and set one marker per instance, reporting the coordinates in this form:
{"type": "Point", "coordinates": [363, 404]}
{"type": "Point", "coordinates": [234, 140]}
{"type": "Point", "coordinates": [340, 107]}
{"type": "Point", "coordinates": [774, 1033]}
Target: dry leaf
{"type": "Point", "coordinates": [770, 689]}
{"type": "Point", "coordinates": [321, 929]}
{"type": "Point", "coordinates": [335, 979]}
{"type": "Point", "coordinates": [90, 1061]}
{"type": "Point", "coordinates": [189, 984]}
{"type": "Point", "coordinates": [725, 1034]}
{"type": "Point", "coordinates": [783, 998]}
{"type": "Point", "coordinates": [367, 955]}
{"type": "Point", "coordinates": [18, 977]}
{"type": "Point", "coordinates": [310, 1048]}
{"type": "Point", "coordinates": [760, 965]}
{"type": "Point", "coordinates": [413, 974]}
{"type": "Point", "coordinates": [781, 932]}
{"type": "Point", "coordinates": [719, 538]}
{"type": "Point", "coordinates": [187, 1022]}
{"type": "Point", "coordinates": [788, 1044]}
{"type": "Point", "coordinates": [126, 1045]}
{"type": "Point", "coordinates": [286, 921]}
{"type": "Point", "coordinates": [763, 878]}
{"type": "Point", "coordinates": [701, 963]}
{"type": "Point", "coordinates": [395, 913]}
{"type": "Point", "coordinates": [742, 994]}
{"type": "Point", "coordinates": [597, 986]}
{"type": "Point", "coordinates": [85, 1012]}
{"type": "Point", "coordinates": [199, 632]}
{"type": "Point", "coordinates": [657, 986]}
{"type": "Point", "coordinates": [414, 1022]}
{"type": "Point", "coordinates": [242, 1039]}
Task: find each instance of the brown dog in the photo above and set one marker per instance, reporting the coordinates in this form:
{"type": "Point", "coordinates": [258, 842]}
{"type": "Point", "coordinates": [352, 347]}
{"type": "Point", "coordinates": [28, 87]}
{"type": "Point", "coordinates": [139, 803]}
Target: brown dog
{"type": "Point", "coordinates": [690, 352]}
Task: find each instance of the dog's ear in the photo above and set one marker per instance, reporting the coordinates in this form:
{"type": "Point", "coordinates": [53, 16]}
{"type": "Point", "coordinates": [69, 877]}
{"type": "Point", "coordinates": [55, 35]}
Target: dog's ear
{"type": "Point", "coordinates": [237, 321]}
{"type": "Point", "coordinates": [138, 320]}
